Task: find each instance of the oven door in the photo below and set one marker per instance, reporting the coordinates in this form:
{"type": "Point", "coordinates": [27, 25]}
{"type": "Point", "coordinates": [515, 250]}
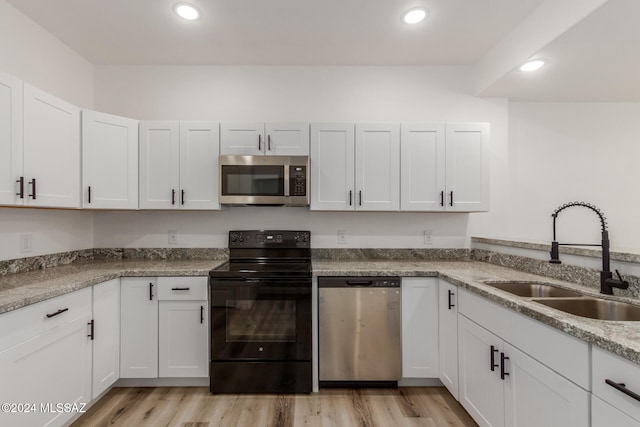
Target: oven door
{"type": "Point", "coordinates": [260, 319]}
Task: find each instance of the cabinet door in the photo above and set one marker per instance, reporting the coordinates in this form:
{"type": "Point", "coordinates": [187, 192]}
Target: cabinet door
{"type": "Point", "coordinates": [332, 166]}
{"type": "Point", "coordinates": [422, 165]}
{"type": "Point", "coordinates": [159, 165]}
{"type": "Point", "coordinates": [10, 140]}
{"type": "Point", "coordinates": [287, 139]}
{"type": "Point", "coordinates": [448, 336]}
{"type": "Point", "coordinates": [481, 390]}
{"type": "Point", "coordinates": [109, 161]}
{"type": "Point", "coordinates": [54, 367]}
{"type": "Point", "coordinates": [242, 139]}
{"type": "Point", "coordinates": [537, 396]}
{"type": "Point", "coordinates": [199, 148]}
{"type": "Point", "coordinates": [51, 150]}
{"type": "Point", "coordinates": [377, 167]}
{"type": "Point", "coordinates": [106, 335]}
{"type": "Point", "coordinates": [419, 327]}
{"type": "Point", "coordinates": [605, 415]}
{"type": "Point", "coordinates": [138, 328]}
{"type": "Point", "coordinates": [467, 151]}
{"type": "Point", "coordinates": [183, 344]}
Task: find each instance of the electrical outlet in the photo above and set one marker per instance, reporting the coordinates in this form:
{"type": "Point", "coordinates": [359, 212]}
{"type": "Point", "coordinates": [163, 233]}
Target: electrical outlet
{"type": "Point", "coordinates": [428, 237]}
{"type": "Point", "coordinates": [173, 237]}
{"type": "Point", "coordinates": [342, 237]}
{"type": "Point", "coordinates": [25, 243]}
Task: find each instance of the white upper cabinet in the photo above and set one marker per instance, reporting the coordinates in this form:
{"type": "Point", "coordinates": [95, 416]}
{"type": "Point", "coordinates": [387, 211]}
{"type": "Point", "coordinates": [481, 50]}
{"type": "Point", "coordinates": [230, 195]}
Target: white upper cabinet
{"type": "Point", "coordinates": [467, 153]}
{"type": "Point", "coordinates": [11, 175]}
{"type": "Point", "coordinates": [283, 139]}
{"type": "Point", "coordinates": [422, 167]}
{"type": "Point", "coordinates": [332, 166]}
{"type": "Point", "coordinates": [179, 165]}
{"type": "Point", "coordinates": [51, 150]}
{"type": "Point", "coordinates": [355, 169]}
{"type": "Point", "coordinates": [109, 161]}
{"type": "Point", "coordinates": [378, 166]}
{"type": "Point", "coordinates": [445, 167]}
{"type": "Point", "coordinates": [199, 148]}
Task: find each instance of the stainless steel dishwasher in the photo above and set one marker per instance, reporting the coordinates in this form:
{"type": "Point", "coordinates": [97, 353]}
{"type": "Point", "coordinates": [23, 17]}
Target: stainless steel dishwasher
{"type": "Point", "coordinates": [359, 331]}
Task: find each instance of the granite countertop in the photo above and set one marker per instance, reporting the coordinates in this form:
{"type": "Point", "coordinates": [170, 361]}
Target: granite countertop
{"type": "Point", "coordinates": [621, 338]}
{"type": "Point", "coordinates": [20, 290]}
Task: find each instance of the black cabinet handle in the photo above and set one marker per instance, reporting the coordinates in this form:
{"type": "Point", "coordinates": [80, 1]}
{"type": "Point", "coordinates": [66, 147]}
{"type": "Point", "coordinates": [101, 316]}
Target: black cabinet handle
{"type": "Point", "coordinates": [451, 196]}
{"type": "Point", "coordinates": [269, 142]}
{"type": "Point", "coordinates": [89, 194]}
{"type": "Point", "coordinates": [494, 365]}
{"type": "Point", "coordinates": [33, 188]}
{"type": "Point", "coordinates": [180, 289]}
{"type": "Point", "coordinates": [21, 187]}
{"type": "Point", "coordinates": [91, 335]}
{"type": "Point", "coordinates": [150, 291]}
{"type": "Point", "coordinates": [502, 368]}
{"type": "Point", "coordinates": [623, 388]}
{"type": "Point", "coordinates": [442, 198]}
{"type": "Point", "coordinates": [451, 294]}
{"type": "Point", "coordinates": [182, 197]}
{"type": "Point", "coordinates": [201, 314]}
{"type": "Point", "coordinates": [50, 315]}
{"type": "Point", "coordinates": [350, 198]}
{"type": "Point", "coordinates": [360, 197]}
{"type": "Point", "coordinates": [259, 142]}
{"type": "Point", "coordinates": [173, 197]}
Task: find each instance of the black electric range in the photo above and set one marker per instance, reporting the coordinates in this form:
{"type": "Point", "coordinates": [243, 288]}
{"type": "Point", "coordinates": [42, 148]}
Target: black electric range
{"type": "Point", "coordinates": [261, 314]}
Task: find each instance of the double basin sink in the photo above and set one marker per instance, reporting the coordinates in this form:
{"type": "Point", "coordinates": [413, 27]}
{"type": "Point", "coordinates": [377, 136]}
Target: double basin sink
{"type": "Point", "coordinates": [570, 301]}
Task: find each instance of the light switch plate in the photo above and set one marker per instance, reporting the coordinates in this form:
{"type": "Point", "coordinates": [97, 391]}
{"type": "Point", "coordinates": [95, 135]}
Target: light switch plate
{"type": "Point", "coordinates": [342, 237]}
{"type": "Point", "coordinates": [428, 237]}
{"type": "Point", "coordinates": [25, 243]}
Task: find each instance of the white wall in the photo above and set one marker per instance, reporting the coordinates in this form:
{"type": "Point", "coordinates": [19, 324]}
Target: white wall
{"type": "Point", "coordinates": [30, 53]}
{"type": "Point", "coordinates": [300, 94]}
{"type": "Point", "coordinates": [563, 152]}
{"type": "Point", "coordinates": [51, 231]}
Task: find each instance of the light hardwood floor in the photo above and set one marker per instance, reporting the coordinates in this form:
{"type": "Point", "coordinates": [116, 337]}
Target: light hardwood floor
{"type": "Point", "coordinates": [196, 407]}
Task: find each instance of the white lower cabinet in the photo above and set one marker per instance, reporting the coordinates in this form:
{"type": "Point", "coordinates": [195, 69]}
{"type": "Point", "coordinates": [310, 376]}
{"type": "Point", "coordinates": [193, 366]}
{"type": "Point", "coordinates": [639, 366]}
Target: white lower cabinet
{"type": "Point", "coordinates": [419, 327]}
{"type": "Point", "coordinates": [616, 390]}
{"type": "Point", "coordinates": [138, 327]}
{"type": "Point", "coordinates": [50, 367]}
{"type": "Point", "coordinates": [164, 327]}
{"type": "Point", "coordinates": [106, 335]}
{"type": "Point", "coordinates": [448, 336]}
{"type": "Point", "coordinates": [515, 371]}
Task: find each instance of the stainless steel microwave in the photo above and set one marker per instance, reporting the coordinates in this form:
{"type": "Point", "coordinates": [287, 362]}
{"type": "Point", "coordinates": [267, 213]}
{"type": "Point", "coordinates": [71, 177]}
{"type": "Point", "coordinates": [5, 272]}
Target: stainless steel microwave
{"type": "Point", "coordinates": [264, 180]}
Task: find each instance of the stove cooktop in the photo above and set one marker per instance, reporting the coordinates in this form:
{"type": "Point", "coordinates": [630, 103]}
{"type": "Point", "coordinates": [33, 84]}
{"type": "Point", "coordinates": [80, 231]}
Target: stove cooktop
{"type": "Point", "coordinates": [268, 269]}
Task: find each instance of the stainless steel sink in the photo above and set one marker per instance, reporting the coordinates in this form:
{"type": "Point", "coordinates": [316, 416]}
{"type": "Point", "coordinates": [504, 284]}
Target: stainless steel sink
{"type": "Point", "coordinates": [533, 289]}
{"type": "Point", "coordinates": [594, 308]}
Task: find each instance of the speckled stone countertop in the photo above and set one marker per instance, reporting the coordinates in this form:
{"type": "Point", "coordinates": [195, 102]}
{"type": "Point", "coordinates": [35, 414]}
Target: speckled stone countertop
{"type": "Point", "coordinates": [621, 338]}
{"type": "Point", "coordinates": [20, 290]}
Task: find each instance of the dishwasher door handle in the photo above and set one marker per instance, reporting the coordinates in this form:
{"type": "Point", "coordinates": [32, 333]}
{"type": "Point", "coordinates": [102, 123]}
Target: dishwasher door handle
{"type": "Point", "coordinates": [359, 282]}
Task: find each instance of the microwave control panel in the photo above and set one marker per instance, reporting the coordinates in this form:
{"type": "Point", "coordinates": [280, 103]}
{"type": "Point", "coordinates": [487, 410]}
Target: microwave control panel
{"type": "Point", "coordinates": [297, 180]}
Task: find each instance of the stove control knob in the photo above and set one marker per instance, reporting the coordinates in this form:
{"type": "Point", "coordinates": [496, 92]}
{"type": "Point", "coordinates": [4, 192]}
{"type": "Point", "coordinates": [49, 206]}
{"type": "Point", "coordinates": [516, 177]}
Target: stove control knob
{"type": "Point", "coordinates": [260, 348]}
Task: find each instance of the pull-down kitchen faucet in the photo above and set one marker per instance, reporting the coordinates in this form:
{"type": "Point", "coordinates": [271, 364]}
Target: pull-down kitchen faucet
{"type": "Point", "coordinates": [607, 282]}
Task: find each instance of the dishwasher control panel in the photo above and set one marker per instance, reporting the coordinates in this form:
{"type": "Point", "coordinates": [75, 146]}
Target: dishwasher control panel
{"type": "Point", "coordinates": [359, 282]}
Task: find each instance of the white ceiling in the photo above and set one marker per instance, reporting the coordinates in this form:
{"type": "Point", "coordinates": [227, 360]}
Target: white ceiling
{"type": "Point", "coordinates": [493, 35]}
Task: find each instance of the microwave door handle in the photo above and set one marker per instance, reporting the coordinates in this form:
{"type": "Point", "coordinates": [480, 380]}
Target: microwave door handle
{"type": "Point", "coordinates": [286, 180]}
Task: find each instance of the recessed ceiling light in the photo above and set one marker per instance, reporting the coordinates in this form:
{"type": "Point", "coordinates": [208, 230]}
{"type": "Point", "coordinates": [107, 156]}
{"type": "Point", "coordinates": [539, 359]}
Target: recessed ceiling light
{"type": "Point", "coordinates": [414, 16]}
{"type": "Point", "coordinates": [186, 11]}
{"type": "Point", "coordinates": [532, 65]}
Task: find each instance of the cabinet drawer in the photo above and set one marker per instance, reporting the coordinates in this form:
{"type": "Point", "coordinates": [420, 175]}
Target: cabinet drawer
{"type": "Point", "coordinates": [608, 366]}
{"type": "Point", "coordinates": [27, 322]}
{"type": "Point", "coordinates": [182, 288]}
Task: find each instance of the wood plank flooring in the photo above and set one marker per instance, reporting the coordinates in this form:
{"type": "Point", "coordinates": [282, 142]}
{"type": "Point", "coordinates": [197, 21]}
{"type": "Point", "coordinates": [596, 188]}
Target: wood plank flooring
{"type": "Point", "coordinates": [196, 407]}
